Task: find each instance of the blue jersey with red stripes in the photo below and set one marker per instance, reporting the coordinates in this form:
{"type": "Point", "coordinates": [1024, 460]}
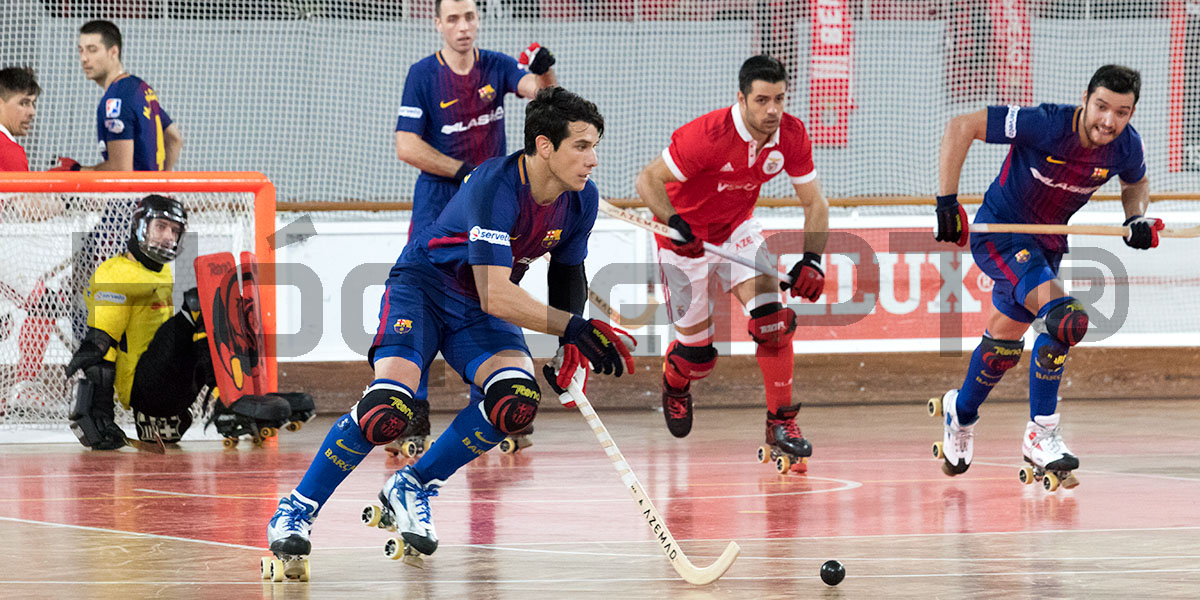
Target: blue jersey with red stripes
{"type": "Point", "coordinates": [462, 116]}
{"type": "Point", "coordinates": [130, 110]}
{"type": "Point", "coordinates": [1048, 174]}
{"type": "Point", "coordinates": [494, 220]}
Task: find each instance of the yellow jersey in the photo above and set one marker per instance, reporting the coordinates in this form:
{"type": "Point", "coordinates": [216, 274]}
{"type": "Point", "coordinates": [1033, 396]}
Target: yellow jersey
{"type": "Point", "coordinates": [128, 302]}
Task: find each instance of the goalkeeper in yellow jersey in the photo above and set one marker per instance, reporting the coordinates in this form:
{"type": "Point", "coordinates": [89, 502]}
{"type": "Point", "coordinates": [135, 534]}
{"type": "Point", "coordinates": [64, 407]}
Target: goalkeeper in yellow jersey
{"type": "Point", "coordinates": [154, 362]}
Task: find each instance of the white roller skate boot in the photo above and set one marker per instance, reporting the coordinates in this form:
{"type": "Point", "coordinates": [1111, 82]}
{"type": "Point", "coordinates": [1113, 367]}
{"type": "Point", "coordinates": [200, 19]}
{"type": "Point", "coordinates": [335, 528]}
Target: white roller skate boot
{"type": "Point", "coordinates": [1050, 461]}
{"type": "Point", "coordinates": [287, 535]}
{"type": "Point", "coordinates": [958, 440]}
{"type": "Point", "coordinates": [405, 507]}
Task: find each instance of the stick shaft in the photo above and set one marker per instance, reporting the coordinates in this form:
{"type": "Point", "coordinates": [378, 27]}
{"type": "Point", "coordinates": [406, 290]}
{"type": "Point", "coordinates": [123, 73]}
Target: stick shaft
{"type": "Point", "coordinates": [653, 518]}
{"type": "Point", "coordinates": [662, 229]}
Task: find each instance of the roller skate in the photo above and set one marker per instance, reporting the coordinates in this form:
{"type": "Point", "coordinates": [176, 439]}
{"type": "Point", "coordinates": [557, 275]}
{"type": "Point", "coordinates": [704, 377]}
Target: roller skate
{"type": "Point", "coordinates": [677, 408]}
{"type": "Point", "coordinates": [1050, 461]}
{"type": "Point", "coordinates": [404, 505]}
{"type": "Point", "coordinates": [958, 441]}
{"type": "Point", "coordinates": [416, 437]}
{"type": "Point", "coordinates": [287, 535]}
{"type": "Point", "coordinates": [785, 446]}
{"type": "Point", "coordinates": [517, 441]}
{"type": "Point", "coordinates": [259, 417]}
{"type": "Point", "coordinates": [302, 406]}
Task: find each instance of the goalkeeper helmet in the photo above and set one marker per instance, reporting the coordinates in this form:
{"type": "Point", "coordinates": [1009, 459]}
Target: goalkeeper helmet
{"type": "Point", "coordinates": [154, 207]}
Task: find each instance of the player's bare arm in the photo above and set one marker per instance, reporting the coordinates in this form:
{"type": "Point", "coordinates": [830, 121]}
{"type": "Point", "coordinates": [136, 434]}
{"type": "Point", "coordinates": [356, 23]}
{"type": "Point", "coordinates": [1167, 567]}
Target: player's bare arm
{"type": "Point", "coordinates": [960, 133]}
{"type": "Point", "coordinates": [1135, 197]}
{"type": "Point", "coordinates": [120, 157]}
{"type": "Point", "coordinates": [816, 215]}
{"type": "Point", "coordinates": [503, 299]}
{"type": "Point", "coordinates": [651, 187]}
{"type": "Point", "coordinates": [415, 151]}
{"type": "Point", "coordinates": [173, 145]}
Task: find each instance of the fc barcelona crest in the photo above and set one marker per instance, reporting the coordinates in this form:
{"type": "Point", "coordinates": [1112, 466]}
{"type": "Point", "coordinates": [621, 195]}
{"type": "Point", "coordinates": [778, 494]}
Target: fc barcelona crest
{"type": "Point", "coordinates": [402, 326]}
{"type": "Point", "coordinates": [1099, 173]}
{"type": "Point", "coordinates": [552, 237]}
{"type": "Point", "coordinates": [487, 93]}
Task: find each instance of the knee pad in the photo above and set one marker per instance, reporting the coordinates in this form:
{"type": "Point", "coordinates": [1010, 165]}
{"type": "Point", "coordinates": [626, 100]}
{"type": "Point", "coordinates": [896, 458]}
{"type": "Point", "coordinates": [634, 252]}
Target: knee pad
{"type": "Point", "coordinates": [1066, 322]}
{"type": "Point", "coordinates": [772, 325]}
{"type": "Point", "coordinates": [385, 411]}
{"type": "Point", "coordinates": [169, 429]}
{"type": "Point", "coordinates": [511, 403]}
{"type": "Point", "coordinates": [691, 362]}
{"type": "Point", "coordinates": [1001, 355]}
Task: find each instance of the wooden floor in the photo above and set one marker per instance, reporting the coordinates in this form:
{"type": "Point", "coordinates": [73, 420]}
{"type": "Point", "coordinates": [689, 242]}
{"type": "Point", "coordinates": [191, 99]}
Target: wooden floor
{"type": "Point", "coordinates": [555, 521]}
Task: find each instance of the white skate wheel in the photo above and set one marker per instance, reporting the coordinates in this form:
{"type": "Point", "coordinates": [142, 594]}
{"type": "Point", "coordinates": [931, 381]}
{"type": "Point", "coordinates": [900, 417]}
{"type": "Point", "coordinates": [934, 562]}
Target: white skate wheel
{"type": "Point", "coordinates": [764, 454]}
{"type": "Point", "coordinates": [266, 567]}
{"type": "Point", "coordinates": [934, 407]}
{"type": "Point", "coordinates": [1050, 482]}
{"type": "Point", "coordinates": [276, 570]}
{"type": "Point", "coordinates": [409, 449]}
{"type": "Point", "coordinates": [393, 548]}
{"type": "Point", "coordinates": [508, 445]}
{"type": "Point", "coordinates": [304, 575]}
{"type": "Point", "coordinates": [937, 450]}
{"type": "Point", "coordinates": [782, 464]}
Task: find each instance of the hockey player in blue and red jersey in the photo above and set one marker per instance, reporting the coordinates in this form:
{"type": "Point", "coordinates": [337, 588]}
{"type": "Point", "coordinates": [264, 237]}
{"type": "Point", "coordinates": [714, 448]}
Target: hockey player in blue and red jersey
{"type": "Point", "coordinates": [454, 289]}
{"type": "Point", "coordinates": [132, 129]}
{"type": "Point", "coordinates": [1059, 156]}
{"type": "Point", "coordinates": [452, 118]}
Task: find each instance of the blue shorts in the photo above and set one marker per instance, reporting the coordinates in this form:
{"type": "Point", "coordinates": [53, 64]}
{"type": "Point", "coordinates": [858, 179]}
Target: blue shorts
{"type": "Point", "coordinates": [1017, 264]}
{"type": "Point", "coordinates": [430, 196]}
{"type": "Point", "coordinates": [417, 318]}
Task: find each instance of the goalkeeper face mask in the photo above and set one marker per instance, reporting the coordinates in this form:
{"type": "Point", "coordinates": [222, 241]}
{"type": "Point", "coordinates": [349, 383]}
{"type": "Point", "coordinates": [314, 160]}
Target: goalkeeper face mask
{"type": "Point", "coordinates": [159, 224]}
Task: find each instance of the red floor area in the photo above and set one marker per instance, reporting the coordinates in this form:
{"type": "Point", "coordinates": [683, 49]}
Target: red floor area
{"type": "Point", "coordinates": [556, 518]}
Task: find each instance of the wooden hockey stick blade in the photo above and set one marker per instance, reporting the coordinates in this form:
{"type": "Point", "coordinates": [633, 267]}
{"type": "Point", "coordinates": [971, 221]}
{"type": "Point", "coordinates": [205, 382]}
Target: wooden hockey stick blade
{"type": "Point", "coordinates": [661, 229]}
{"type": "Point", "coordinates": [658, 526]}
{"type": "Point", "coordinates": [1112, 230]}
{"type": "Point", "coordinates": [155, 447]}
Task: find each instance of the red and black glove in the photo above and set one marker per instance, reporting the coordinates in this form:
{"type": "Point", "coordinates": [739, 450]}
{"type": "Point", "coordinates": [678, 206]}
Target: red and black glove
{"type": "Point", "coordinates": [952, 221]}
{"type": "Point", "coordinates": [65, 164]}
{"type": "Point", "coordinates": [1143, 233]}
{"type": "Point", "coordinates": [691, 246]}
{"type": "Point", "coordinates": [536, 59]}
{"type": "Point", "coordinates": [601, 344]}
{"type": "Point", "coordinates": [807, 278]}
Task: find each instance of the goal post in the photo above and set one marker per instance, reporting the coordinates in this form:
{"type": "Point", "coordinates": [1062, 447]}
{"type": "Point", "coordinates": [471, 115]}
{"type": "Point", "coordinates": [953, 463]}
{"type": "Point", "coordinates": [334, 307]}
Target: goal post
{"type": "Point", "coordinates": [43, 217]}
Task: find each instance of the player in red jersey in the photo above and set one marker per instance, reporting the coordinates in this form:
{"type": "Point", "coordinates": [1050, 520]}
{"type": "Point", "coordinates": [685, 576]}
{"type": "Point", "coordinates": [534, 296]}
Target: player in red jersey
{"type": "Point", "coordinates": [19, 92]}
{"type": "Point", "coordinates": [704, 185]}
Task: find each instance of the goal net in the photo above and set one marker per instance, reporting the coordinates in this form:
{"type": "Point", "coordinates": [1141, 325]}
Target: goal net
{"type": "Point", "coordinates": [52, 241]}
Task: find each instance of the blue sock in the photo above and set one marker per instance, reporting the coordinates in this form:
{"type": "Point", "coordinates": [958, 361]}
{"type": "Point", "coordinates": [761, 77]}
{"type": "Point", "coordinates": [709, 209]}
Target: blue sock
{"type": "Point", "coordinates": [469, 436]}
{"type": "Point", "coordinates": [1045, 374]}
{"type": "Point", "coordinates": [344, 447]}
{"type": "Point", "coordinates": [976, 386]}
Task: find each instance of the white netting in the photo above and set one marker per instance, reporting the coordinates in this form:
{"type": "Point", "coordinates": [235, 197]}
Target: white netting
{"type": "Point", "coordinates": [51, 243]}
{"type": "Point", "coordinates": [307, 91]}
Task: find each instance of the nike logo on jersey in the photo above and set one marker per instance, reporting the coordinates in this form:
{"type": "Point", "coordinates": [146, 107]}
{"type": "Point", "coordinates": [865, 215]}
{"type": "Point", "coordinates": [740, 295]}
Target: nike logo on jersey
{"type": "Point", "coordinates": [343, 447]}
{"type": "Point", "coordinates": [728, 168]}
{"type": "Point", "coordinates": [1051, 159]}
{"type": "Point", "coordinates": [445, 104]}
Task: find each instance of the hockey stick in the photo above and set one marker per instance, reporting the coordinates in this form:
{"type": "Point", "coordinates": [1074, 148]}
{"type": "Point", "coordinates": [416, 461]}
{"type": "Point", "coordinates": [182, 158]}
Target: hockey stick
{"type": "Point", "coordinates": [662, 535]}
{"type": "Point", "coordinates": [155, 447]}
{"type": "Point", "coordinates": [662, 229]}
{"type": "Point", "coordinates": [1114, 230]}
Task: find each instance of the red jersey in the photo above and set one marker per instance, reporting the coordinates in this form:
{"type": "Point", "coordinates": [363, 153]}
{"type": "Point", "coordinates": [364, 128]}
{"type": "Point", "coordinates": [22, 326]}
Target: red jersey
{"type": "Point", "coordinates": [720, 169]}
{"type": "Point", "coordinates": [12, 155]}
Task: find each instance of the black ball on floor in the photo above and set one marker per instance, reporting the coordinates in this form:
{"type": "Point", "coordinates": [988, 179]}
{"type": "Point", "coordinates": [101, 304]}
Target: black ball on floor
{"type": "Point", "coordinates": [832, 572]}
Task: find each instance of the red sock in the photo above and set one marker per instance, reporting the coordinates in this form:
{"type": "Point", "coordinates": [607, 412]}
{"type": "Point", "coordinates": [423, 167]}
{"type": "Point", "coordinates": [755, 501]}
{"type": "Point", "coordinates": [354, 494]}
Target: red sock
{"type": "Point", "coordinates": [674, 379]}
{"type": "Point", "coordinates": [776, 365]}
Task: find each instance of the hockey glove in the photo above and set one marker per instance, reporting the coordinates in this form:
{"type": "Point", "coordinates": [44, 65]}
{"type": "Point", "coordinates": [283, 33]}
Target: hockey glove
{"type": "Point", "coordinates": [691, 246]}
{"type": "Point", "coordinates": [566, 366]}
{"type": "Point", "coordinates": [807, 278]}
{"type": "Point", "coordinates": [600, 344]}
{"type": "Point", "coordinates": [536, 59]}
{"type": "Point", "coordinates": [952, 220]}
{"type": "Point", "coordinates": [65, 164]}
{"type": "Point", "coordinates": [1143, 233]}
